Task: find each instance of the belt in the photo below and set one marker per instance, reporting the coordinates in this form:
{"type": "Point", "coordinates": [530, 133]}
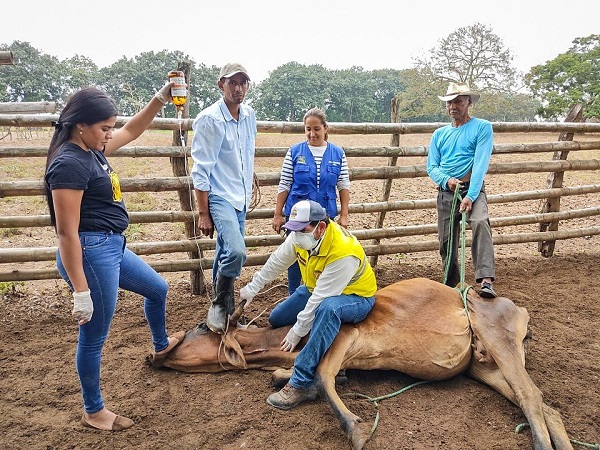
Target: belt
{"type": "Point", "coordinates": [464, 186]}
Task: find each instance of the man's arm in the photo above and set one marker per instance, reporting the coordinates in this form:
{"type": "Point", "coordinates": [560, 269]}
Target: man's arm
{"type": "Point", "coordinates": [434, 159]}
{"type": "Point", "coordinates": [481, 159]}
{"type": "Point", "coordinates": [282, 258]}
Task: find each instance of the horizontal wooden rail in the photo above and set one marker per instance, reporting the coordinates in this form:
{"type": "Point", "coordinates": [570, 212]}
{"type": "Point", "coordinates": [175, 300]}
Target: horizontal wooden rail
{"type": "Point", "coordinates": [267, 213]}
{"type": "Point", "coordinates": [162, 184]}
{"type": "Point", "coordinates": [279, 152]}
{"type": "Point", "coordinates": [44, 120]}
{"type": "Point", "coordinates": [36, 254]}
{"type": "Point", "coordinates": [27, 107]}
{"type": "Point", "coordinates": [382, 249]}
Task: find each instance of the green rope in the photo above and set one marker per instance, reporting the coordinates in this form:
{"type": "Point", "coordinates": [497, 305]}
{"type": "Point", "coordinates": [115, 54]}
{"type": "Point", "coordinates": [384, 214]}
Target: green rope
{"type": "Point", "coordinates": [463, 288]}
{"type": "Point", "coordinates": [376, 400]}
{"type": "Point", "coordinates": [455, 199]}
{"type": "Point", "coordinates": [522, 426]}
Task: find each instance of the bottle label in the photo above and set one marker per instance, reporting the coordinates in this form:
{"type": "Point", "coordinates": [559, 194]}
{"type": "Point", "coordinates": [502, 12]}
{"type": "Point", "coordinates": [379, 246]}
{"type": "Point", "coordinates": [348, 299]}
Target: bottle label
{"type": "Point", "coordinates": [178, 90]}
{"type": "Point", "coordinates": [177, 80]}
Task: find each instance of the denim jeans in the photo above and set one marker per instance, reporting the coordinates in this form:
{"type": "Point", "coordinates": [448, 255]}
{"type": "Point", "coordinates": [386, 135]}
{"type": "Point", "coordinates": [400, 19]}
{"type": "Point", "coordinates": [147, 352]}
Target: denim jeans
{"type": "Point", "coordinates": [230, 251]}
{"type": "Point", "coordinates": [329, 316]}
{"type": "Point", "coordinates": [108, 266]}
{"type": "Point", "coordinates": [482, 246]}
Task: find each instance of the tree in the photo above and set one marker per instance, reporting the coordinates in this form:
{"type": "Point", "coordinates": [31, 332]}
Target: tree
{"type": "Point", "coordinates": [351, 96]}
{"type": "Point", "coordinates": [35, 76]}
{"type": "Point", "coordinates": [570, 78]}
{"type": "Point", "coordinates": [203, 88]}
{"type": "Point", "coordinates": [133, 82]}
{"type": "Point", "coordinates": [387, 83]}
{"type": "Point", "coordinates": [418, 102]}
{"type": "Point", "coordinates": [473, 55]}
{"type": "Point", "coordinates": [76, 73]}
{"type": "Point", "coordinates": [290, 91]}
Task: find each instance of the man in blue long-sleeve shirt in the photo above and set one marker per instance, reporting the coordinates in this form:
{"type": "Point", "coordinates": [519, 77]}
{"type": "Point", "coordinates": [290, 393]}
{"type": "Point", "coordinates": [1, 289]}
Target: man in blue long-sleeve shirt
{"type": "Point", "coordinates": [459, 156]}
{"type": "Point", "coordinates": [223, 152]}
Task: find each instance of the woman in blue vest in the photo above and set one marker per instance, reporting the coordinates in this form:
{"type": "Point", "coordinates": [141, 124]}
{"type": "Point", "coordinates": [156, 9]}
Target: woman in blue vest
{"type": "Point", "coordinates": [312, 170]}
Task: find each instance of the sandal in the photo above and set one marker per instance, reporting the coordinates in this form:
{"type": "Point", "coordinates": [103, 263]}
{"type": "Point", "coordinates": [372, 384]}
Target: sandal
{"type": "Point", "coordinates": [119, 424]}
{"type": "Point", "coordinates": [157, 358]}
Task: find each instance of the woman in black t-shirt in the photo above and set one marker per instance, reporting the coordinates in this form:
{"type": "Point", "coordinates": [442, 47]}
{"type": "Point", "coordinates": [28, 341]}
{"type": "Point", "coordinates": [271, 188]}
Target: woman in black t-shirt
{"type": "Point", "coordinates": [89, 215]}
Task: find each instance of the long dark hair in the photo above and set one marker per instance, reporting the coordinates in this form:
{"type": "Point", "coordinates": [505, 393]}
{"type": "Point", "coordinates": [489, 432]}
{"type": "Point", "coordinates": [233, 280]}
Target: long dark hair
{"type": "Point", "coordinates": [87, 106]}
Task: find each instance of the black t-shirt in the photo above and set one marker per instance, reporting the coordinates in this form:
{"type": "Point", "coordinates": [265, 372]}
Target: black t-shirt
{"type": "Point", "coordinates": [102, 206]}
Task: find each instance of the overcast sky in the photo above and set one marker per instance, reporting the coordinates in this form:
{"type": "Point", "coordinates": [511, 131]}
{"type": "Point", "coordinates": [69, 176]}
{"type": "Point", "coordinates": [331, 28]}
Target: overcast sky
{"type": "Point", "coordinates": [264, 34]}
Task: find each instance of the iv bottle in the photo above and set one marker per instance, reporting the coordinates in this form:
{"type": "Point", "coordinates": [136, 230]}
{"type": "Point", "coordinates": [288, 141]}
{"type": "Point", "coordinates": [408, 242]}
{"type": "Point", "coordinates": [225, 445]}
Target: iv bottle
{"type": "Point", "coordinates": [178, 90]}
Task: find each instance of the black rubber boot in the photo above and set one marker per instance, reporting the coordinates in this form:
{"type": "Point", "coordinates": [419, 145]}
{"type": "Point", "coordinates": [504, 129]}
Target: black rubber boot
{"type": "Point", "coordinates": [223, 304]}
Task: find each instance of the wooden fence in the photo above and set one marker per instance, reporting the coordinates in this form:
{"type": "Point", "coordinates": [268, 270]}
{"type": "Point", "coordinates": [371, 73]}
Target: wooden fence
{"type": "Point", "coordinates": [394, 221]}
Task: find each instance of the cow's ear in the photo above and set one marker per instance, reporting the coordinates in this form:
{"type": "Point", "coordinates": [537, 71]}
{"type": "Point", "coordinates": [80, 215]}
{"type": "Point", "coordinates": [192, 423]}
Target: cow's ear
{"type": "Point", "coordinates": [233, 352]}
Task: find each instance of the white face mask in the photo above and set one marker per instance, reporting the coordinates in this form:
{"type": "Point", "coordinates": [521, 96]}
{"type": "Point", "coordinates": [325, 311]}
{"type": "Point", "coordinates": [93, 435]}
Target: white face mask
{"type": "Point", "coordinates": [306, 240]}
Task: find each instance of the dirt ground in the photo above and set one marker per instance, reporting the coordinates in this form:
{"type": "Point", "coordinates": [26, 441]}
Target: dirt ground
{"type": "Point", "coordinates": [40, 401]}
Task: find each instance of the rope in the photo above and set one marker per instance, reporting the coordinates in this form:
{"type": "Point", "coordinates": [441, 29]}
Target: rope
{"type": "Point", "coordinates": [192, 202]}
{"type": "Point", "coordinates": [463, 289]}
{"type": "Point", "coordinates": [522, 426]}
{"type": "Point", "coordinates": [376, 401]}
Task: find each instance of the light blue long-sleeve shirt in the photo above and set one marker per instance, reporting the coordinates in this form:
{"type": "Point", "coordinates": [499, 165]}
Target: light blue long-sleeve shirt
{"type": "Point", "coordinates": [456, 151]}
{"type": "Point", "coordinates": [223, 153]}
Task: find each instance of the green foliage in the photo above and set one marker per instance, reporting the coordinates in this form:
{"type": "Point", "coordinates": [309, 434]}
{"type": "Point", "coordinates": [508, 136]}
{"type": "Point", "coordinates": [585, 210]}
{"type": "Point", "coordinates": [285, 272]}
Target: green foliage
{"type": "Point", "coordinates": [350, 95]}
{"type": "Point", "coordinates": [10, 287]}
{"type": "Point", "coordinates": [133, 82]}
{"type": "Point", "coordinates": [570, 78]}
{"type": "Point", "coordinates": [290, 91]}
{"type": "Point", "coordinates": [35, 77]}
{"type": "Point", "coordinates": [473, 54]}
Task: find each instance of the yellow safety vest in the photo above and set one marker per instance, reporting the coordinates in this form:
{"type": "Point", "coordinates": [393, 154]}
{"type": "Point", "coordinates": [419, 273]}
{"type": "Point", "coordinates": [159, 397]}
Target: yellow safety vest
{"type": "Point", "coordinates": [337, 243]}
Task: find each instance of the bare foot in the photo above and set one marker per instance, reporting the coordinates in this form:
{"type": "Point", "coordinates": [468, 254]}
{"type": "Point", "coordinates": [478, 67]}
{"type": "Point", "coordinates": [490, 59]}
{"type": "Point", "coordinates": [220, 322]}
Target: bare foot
{"type": "Point", "coordinates": [106, 420]}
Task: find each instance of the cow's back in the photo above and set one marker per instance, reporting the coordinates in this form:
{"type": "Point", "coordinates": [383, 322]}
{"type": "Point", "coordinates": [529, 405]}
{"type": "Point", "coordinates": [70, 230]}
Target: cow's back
{"type": "Point", "coordinates": [418, 327]}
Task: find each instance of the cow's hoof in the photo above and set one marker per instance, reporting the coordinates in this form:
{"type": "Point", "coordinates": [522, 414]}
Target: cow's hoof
{"type": "Point", "coordinates": [361, 433]}
{"type": "Point", "coordinates": [280, 377]}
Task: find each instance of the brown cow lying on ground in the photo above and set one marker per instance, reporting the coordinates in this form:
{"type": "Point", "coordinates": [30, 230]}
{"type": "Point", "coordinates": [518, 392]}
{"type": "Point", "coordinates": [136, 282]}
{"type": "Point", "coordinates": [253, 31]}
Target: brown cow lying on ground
{"type": "Point", "coordinates": [418, 327]}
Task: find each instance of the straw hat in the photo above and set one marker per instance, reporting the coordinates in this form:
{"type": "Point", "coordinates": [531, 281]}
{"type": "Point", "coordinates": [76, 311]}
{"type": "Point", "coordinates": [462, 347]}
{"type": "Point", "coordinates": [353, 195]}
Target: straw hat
{"type": "Point", "coordinates": [456, 89]}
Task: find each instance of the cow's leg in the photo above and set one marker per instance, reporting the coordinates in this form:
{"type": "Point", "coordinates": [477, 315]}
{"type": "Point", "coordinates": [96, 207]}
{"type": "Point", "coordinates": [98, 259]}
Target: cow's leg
{"type": "Point", "coordinates": [358, 432]}
{"type": "Point", "coordinates": [487, 372]}
{"type": "Point", "coordinates": [501, 327]}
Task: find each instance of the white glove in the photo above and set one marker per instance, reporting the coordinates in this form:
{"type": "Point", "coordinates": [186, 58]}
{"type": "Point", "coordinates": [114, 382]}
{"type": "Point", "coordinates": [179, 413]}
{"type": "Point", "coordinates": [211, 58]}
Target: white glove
{"type": "Point", "coordinates": [164, 95]}
{"type": "Point", "coordinates": [246, 295]}
{"type": "Point", "coordinates": [83, 308]}
{"type": "Point", "coordinates": [290, 341]}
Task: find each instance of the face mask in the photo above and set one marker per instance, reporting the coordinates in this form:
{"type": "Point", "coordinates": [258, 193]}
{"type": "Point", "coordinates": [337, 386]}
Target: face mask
{"type": "Point", "coordinates": [305, 240]}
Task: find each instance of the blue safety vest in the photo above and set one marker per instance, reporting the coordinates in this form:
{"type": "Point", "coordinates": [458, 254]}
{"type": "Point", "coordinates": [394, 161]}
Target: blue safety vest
{"type": "Point", "coordinates": [304, 186]}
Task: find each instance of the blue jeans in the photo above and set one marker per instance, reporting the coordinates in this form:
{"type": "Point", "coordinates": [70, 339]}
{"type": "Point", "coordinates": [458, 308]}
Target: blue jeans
{"type": "Point", "coordinates": [108, 266]}
{"type": "Point", "coordinates": [329, 316]}
{"type": "Point", "coordinates": [230, 251]}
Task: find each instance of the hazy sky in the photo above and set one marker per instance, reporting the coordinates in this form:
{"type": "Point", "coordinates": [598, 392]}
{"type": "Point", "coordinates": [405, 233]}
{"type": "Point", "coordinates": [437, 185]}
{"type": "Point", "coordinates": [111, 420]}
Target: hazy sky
{"type": "Point", "coordinates": [264, 34]}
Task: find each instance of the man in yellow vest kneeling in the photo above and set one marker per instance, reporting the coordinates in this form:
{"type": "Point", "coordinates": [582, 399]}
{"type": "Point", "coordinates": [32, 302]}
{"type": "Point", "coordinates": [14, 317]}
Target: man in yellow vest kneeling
{"type": "Point", "coordinates": [339, 287]}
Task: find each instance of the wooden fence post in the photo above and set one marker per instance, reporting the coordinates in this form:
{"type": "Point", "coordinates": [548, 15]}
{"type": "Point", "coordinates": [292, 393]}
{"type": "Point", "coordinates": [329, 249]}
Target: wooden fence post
{"type": "Point", "coordinates": [186, 199]}
{"type": "Point", "coordinates": [555, 180]}
{"type": "Point", "coordinates": [6, 58]}
{"type": "Point", "coordinates": [387, 183]}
